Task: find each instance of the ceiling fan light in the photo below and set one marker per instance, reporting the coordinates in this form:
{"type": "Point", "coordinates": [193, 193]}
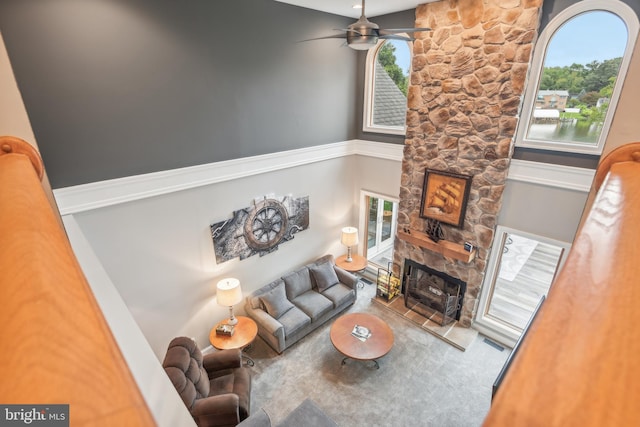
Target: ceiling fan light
{"type": "Point", "coordinates": [362, 41]}
{"type": "Point", "coordinates": [362, 44]}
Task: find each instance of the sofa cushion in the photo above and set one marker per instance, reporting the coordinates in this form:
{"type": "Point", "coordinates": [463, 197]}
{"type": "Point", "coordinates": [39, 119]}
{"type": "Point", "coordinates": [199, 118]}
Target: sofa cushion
{"type": "Point", "coordinates": [340, 294]}
{"type": "Point", "coordinates": [294, 320]}
{"type": "Point", "coordinates": [275, 301]}
{"type": "Point", "coordinates": [297, 283]}
{"type": "Point", "coordinates": [324, 275]}
{"type": "Point", "coordinates": [313, 304]}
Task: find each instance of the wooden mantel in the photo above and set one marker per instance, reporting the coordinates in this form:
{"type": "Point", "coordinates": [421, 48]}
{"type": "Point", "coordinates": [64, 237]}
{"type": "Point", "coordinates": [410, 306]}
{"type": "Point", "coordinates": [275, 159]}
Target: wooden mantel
{"type": "Point", "coordinates": [579, 364]}
{"type": "Point", "coordinates": [444, 247]}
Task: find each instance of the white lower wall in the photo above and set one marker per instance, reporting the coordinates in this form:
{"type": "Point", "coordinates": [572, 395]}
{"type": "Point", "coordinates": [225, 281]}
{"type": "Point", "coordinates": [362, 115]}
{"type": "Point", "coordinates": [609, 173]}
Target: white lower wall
{"type": "Point", "coordinates": [163, 401]}
{"type": "Point", "coordinates": [159, 253]}
{"type": "Point", "coordinates": [546, 200]}
{"type": "Point", "coordinates": [155, 246]}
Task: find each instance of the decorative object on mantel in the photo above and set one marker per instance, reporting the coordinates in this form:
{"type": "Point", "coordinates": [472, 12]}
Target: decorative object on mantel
{"type": "Point", "coordinates": [260, 228]}
{"type": "Point", "coordinates": [229, 294]}
{"type": "Point", "coordinates": [444, 196]}
{"type": "Point", "coordinates": [444, 247]}
{"type": "Point", "coordinates": [434, 230]}
{"type": "Point", "coordinates": [349, 238]}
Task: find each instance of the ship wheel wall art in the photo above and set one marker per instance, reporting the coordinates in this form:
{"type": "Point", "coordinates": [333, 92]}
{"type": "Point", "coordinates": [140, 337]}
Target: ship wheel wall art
{"type": "Point", "coordinates": [260, 228]}
{"type": "Point", "coordinates": [444, 196]}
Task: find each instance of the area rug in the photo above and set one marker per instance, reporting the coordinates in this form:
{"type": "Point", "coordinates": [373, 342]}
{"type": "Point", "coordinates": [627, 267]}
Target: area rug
{"type": "Point", "coordinates": [422, 381]}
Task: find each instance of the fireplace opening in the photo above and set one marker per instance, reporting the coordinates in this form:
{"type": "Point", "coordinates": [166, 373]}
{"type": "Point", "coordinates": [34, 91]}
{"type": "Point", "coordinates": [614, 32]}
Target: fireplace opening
{"type": "Point", "coordinates": [431, 293]}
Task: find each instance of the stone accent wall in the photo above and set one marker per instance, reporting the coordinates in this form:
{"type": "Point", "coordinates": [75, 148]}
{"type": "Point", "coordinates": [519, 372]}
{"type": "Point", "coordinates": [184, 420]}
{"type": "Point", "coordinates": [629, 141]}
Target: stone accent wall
{"type": "Point", "coordinates": [467, 79]}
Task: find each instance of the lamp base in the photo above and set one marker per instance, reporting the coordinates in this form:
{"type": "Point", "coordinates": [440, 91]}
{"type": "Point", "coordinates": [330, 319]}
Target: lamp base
{"type": "Point", "coordinates": [349, 259]}
{"type": "Point", "coordinates": [232, 319]}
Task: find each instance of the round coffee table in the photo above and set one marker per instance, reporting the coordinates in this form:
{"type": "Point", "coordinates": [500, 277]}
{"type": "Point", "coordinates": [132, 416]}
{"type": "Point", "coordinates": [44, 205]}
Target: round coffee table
{"type": "Point", "coordinates": [374, 347]}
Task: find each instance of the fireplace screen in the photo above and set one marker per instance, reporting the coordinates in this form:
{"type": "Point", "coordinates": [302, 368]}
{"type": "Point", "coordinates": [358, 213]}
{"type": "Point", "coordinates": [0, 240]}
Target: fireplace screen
{"type": "Point", "coordinates": [431, 293]}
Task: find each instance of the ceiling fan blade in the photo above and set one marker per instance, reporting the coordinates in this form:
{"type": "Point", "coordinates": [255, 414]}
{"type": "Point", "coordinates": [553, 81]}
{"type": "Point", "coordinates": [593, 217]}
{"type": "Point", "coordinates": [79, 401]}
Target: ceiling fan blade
{"type": "Point", "coordinates": [395, 37]}
{"type": "Point", "coordinates": [402, 30]}
{"type": "Point", "coordinates": [346, 30]}
{"type": "Point", "coordinates": [336, 36]}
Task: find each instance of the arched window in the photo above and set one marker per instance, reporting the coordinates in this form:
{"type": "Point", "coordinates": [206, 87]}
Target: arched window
{"type": "Point", "coordinates": [386, 83]}
{"type": "Point", "coordinates": [579, 66]}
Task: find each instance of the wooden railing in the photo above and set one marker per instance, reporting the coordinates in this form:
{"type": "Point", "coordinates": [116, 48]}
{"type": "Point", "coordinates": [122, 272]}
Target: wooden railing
{"type": "Point", "coordinates": [579, 364]}
{"type": "Point", "coordinates": [55, 346]}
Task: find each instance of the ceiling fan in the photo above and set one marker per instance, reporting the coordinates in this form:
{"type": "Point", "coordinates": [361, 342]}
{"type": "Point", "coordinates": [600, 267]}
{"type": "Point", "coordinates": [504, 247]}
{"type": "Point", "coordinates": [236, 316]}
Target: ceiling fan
{"type": "Point", "coordinates": [364, 34]}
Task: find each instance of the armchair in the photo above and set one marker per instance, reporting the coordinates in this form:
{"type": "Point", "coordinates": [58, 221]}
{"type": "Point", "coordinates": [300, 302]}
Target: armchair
{"type": "Point", "coordinates": [215, 387]}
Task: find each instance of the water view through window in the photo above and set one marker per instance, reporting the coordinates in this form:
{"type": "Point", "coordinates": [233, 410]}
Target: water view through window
{"type": "Point", "coordinates": [581, 67]}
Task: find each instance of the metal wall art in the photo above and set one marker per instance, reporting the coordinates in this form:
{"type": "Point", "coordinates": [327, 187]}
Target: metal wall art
{"type": "Point", "coordinates": [260, 228]}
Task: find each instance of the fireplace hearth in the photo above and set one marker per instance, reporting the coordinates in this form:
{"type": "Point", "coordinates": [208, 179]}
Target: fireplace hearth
{"type": "Point", "coordinates": [431, 293]}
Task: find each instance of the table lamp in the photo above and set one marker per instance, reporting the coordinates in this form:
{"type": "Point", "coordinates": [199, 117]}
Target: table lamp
{"type": "Point", "coordinates": [229, 294]}
{"type": "Point", "coordinates": [349, 238]}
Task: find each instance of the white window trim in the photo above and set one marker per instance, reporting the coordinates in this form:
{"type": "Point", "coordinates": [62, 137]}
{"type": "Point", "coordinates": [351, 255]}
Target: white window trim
{"type": "Point", "coordinates": [369, 84]}
{"type": "Point", "coordinates": [484, 322]}
{"type": "Point", "coordinates": [630, 19]}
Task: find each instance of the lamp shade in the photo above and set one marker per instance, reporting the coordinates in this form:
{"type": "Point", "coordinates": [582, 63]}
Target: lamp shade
{"type": "Point", "coordinates": [349, 236]}
{"type": "Point", "coordinates": [229, 292]}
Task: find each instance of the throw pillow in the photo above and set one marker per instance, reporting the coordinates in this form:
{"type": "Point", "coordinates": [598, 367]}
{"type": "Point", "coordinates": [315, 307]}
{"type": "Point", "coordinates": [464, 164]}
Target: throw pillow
{"type": "Point", "coordinates": [276, 302]}
{"type": "Point", "coordinates": [297, 283]}
{"type": "Point", "coordinates": [325, 276]}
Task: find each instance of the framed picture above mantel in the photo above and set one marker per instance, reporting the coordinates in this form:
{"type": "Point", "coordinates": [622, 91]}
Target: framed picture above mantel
{"type": "Point", "coordinates": [444, 196]}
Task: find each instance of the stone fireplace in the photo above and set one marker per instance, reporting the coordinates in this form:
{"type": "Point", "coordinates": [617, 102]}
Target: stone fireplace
{"type": "Point", "coordinates": [467, 78]}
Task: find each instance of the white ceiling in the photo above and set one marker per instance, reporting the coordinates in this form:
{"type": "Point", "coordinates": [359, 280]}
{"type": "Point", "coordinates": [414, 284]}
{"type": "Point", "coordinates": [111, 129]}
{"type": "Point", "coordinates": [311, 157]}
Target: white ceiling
{"type": "Point", "coordinates": [345, 7]}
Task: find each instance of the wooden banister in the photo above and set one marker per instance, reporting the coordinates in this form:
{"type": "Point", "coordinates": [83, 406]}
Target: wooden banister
{"type": "Point", "coordinates": [55, 346]}
{"type": "Point", "coordinates": [578, 364]}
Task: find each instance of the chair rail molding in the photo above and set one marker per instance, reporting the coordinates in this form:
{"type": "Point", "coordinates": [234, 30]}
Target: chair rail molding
{"type": "Point", "coordinates": [95, 195]}
{"type": "Point", "coordinates": [551, 175]}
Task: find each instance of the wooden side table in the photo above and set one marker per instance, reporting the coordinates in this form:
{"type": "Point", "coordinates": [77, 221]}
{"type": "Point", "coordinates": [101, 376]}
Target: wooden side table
{"type": "Point", "coordinates": [244, 333]}
{"type": "Point", "coordinates": [359, 263]}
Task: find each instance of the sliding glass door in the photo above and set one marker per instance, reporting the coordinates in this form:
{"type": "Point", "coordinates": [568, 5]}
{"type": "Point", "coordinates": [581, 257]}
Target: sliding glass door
{"type": "Point", "coordinates": [521, 269]}
{"type": "Point", "coordinates": [380, 229]}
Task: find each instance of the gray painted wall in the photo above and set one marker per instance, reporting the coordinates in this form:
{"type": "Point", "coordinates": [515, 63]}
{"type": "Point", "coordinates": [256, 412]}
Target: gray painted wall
{"type": "Point", "coordinates": [542, 210]}
{"type": "Point", "coordinates": [119, 88]}
{"type": "Point", "coordinates": [551, 8]}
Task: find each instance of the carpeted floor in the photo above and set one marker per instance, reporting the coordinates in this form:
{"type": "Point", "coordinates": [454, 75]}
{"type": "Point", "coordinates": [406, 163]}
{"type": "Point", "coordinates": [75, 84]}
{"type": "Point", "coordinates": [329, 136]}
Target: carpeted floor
{"type": "Point", "coordinates": [423, 381]}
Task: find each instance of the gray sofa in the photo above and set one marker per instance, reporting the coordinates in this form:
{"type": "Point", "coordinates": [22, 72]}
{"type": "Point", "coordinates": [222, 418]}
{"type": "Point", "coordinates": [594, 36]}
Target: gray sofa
{"type": "Point", "coordinates": [289, 308]}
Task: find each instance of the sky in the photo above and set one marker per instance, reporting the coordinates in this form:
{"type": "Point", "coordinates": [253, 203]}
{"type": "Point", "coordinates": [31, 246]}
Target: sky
{"type": "Point", "coordinates": [402, 54]}
{"type": "Point", "coordinates": [592, 36]}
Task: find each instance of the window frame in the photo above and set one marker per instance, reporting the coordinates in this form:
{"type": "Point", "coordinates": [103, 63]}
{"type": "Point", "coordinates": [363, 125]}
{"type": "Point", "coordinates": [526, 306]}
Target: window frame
{"type": "Point", "coordinates": [483, 321]}
{"type": "Point", "coordinates": [630, 19]}
{"type": "Point", "coordinates": [369, 86]}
